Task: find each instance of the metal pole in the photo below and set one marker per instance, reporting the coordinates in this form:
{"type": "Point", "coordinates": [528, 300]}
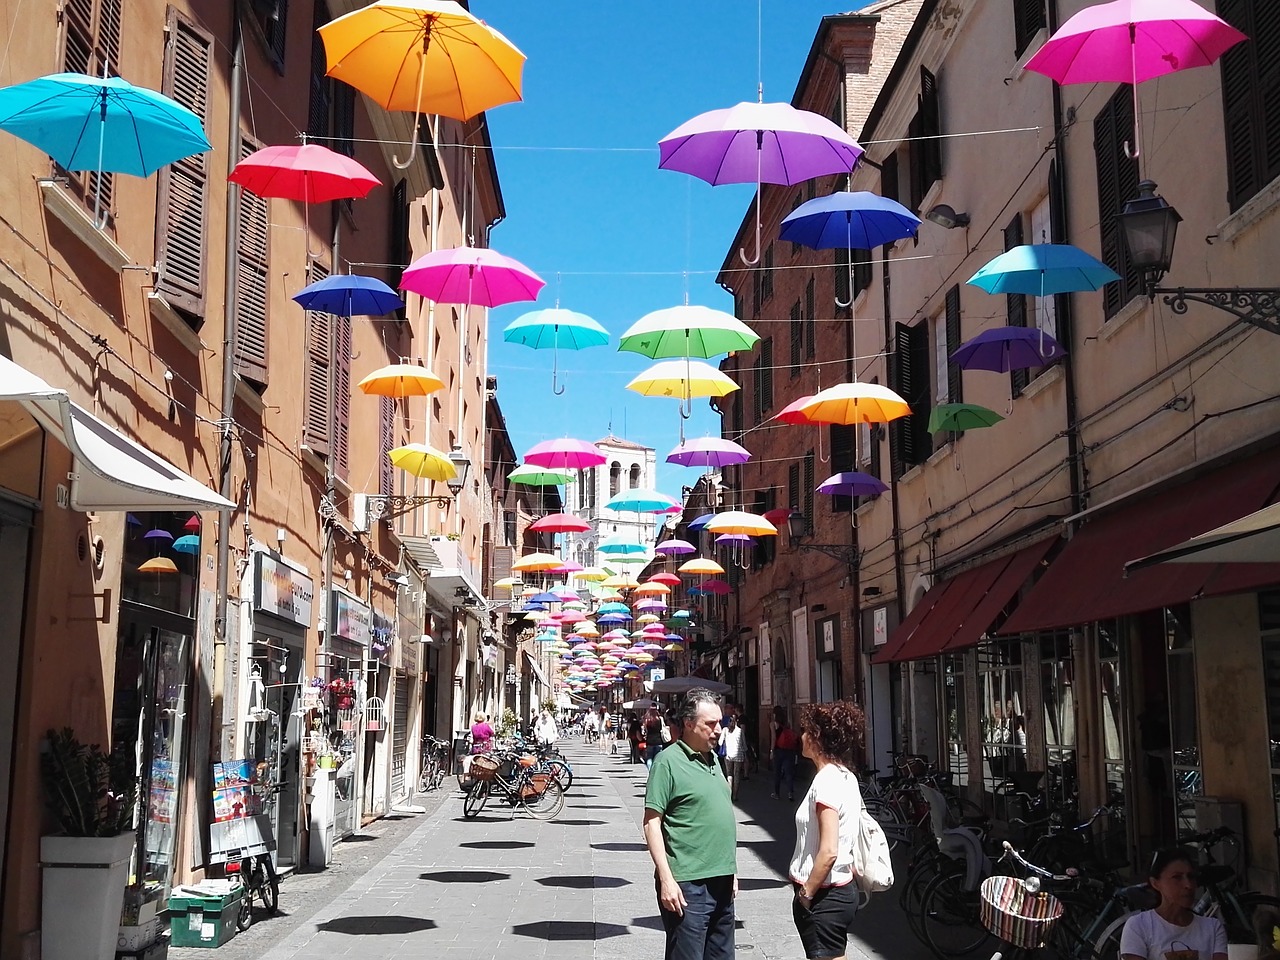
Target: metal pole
{"type": "Point", "coordinates": [232, 230]}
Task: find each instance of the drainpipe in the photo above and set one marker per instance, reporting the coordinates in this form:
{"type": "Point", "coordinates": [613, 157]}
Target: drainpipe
{"type": "Point", "coordinates": [228, 392]}
{"type": "Point", "coordinates": [855, 568]}
{"type": "Point", "coordinates": [899, 574]}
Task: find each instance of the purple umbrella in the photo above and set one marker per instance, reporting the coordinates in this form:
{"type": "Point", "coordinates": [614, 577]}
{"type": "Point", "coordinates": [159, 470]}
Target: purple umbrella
{"type": "Point", "coordinates": [709, 452]}
{"type": "Point", "coordinates": [675, 547]}
{"type": "Point", "coordinates": [758, 143]}
{"type": "Point", "coordinates": [157, 534]}
{"type": "Point", "coordinates": [732, 539]}
{"type": "Point", "coordinates": [853, 483]}
{"type": "Point", "coordinates": [1008, 348]}
{"type": "Point", "coordinates": [652, 604]}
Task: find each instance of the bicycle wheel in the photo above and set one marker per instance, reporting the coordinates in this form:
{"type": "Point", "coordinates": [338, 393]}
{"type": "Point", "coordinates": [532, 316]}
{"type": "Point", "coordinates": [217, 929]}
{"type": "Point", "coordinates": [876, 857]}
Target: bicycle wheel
{"type": "Point", "coordinates": [426, 776]}
{"type": "Point", "coordinates": [475, 800]}
{"type": "Point", "coordinates": [244, 919]}
{"type": "Point", "coordinates": [545, 804]}
{"type": "Point", "coordinates": [561, 770]}
{"type": "Point", "coordinates": [884, 814]}
{"type": "Point", "coordinates": [269, 885]}
{"type": "Point", "coordinates": [437, 773]}
{"type": "Point", "coordinates": [1236, 913]}
{"type": "Point", "coordinates": [922, 873]}
{"type": "Point", "coordinates": [949, 918]}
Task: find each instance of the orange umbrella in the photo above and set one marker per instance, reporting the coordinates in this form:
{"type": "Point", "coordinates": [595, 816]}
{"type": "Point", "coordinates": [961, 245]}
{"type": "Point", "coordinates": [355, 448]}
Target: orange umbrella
{"type": "Point", "coordinates": [401, 380]}
{"type": "Point", "coordinates": [850, 403]}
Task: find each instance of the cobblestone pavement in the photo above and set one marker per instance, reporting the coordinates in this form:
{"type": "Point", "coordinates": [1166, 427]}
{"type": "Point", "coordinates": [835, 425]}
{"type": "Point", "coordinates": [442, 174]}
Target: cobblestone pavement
{"type": "Point", "coordinates": [576, 888]}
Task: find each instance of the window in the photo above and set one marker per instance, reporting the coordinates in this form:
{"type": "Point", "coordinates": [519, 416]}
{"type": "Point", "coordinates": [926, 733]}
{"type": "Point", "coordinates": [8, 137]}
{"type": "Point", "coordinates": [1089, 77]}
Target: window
{"type": "Point", "coordinates": [634, 477]}
{"type": "Point", "coordinates": [793, 486]}
{"type": "Point", "coordinates": [1015, 303]}
{"type": "Point", "coordinates": [950, 375]}
{"type": "Point", "coordinates": [252, 278]}
{"type": "Point", "coordinates": [1184, 733]}
{"type": "Point", "coordinates": [509, 530]}
{"type": "Point", "coordinates": [924, 132]}
{"type": "Point", "coordinates": [762, 380]}
{"type": "Point", "coordinates": [954, 721]}
{"type": "Point", "coordinates": [1044, 309]}
{"type": "Point", "coordinates": [316, 431]}
{"type": "Point", "coordinates": [1004, 730]}
{"type": "Point", "coordinates": [615, 478]}
{"type": "Point", "coordinates": [91, 44]}
{"type": "Point", "coordinates": [320, 105]}
{"type": "Point", "coordinates": [843, 439]}
{"type": "Point", "coordinates": [1058, 688]}
{"type": "Point", "coordinates": [810, 320]}
{"type": "Point", "coordinates": [860, 260]}
{"type": "Point", "coordinates": [1269, 616]}
{"type": "Point", "coordinates": [909, 440]}
{"type": "Point", "coordinates": [1117, 183]}
{"type": "Point", "coordinates": [1029, 18]}
{"type": "Point", "coordinates": [183, 186]}
{"type": "Point", "coordinates": [271, 17]}
{"type": "Point", "coordinates": [765, 549]}
{"type": "Point", "coordinates": [795, 203]}
{"type": "Point", "coordinates": [386, 443]}
{"type": "Point", "coordinates": [766, 274]}
{"type": "Point", "coordinates": [889, 186]}
{"type": "Point", "coordinates": [344, 118]}
{"type": "Point", "coordinates": [398, 241]}
{"type": "Point", "coordinates": [797, 339]}
{"type": "Point", "coordinates": [735, 417]}
{"type": "Point", "coordinates": [1251, 98]}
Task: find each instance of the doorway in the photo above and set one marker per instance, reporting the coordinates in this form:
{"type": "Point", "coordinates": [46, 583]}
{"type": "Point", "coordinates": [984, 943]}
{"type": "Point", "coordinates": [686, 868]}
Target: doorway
{"type": "Point", "coordinates": [273, 737]}
{"type": "Point", "coordinates": [15, 538]}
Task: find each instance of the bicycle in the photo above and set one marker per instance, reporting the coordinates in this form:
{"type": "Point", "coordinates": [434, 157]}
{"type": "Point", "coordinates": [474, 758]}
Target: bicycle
{"type": "Point", "coordinates": [259, 881]}
{"type": "Point", "coordinates": [513, 777]}
{"type": "Point", "coordinates": [435, 763]}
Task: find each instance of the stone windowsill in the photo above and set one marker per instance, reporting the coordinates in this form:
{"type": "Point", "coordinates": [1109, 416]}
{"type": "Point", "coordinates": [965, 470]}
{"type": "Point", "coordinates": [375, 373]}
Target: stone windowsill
{"type": "Point", "coordinates": [911, 474]}
{"type": "Point", "coordinates": [938, 456]}
{"type": "Point", "coordinates": [250, 397]}
{"type": "Point", "coordinates": [1042, 382]}
{"type": "Point", "coordinates": [172, 321]}
{"type": "Point", "coordinates": [1260, 205]}
{"type": "Point", "coordinates": [1035, 44]}
{"type": "Point", "coordinates": [1134, 308]}
{"type": "Point", "coordinates": [71, 213]}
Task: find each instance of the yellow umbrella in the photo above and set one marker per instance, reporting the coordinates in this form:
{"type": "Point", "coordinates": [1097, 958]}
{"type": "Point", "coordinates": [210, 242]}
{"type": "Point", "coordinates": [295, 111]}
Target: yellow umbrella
{"type": "Point", "coordinates": [622, 580]}
{"type": "Point", "coordinates": [401, 380]}
{"type": "Point", "coordinates": [512, 582]}
{"type": "Point", "coordinates": [683, 379]}
{"type": "Point", "coordinates": [536, 615]}
{"type": "Point", "coordinates": [537, 561]}
{"type": "Point", "coordinates": [423, 461]}
{"type": "Point", "coordinates": [423, 56]}
{"type": "Point", "coordinates": [700, 565]}
{"type": "Point", "coordinates": [648, 618]}
{"type": "Point", "coordinates": [741, 522]}
{"type": "Point", "coordinates": [850, 403]}
{"type": "Point", "coordinates": [591, 573]}
{"type": "Point", "coordinates": [158, 565]}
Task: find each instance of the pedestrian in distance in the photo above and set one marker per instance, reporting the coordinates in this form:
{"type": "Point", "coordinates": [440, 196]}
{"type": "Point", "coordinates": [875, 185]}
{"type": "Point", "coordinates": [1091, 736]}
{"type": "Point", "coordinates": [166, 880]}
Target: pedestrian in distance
{"type": "Point", "coordinates": [825, 896]}
{"type": "Point", "coordinates": [655, 735]}
{"type": "Point", "coordinates": [635, 735]}
{"type": "Point", "coordinates": [1173, 931]}
{"type": "Point", "coordinates": [691, 833]}
{"type": "Point", "coordinates": [733, 746]}
{"type": "Point", "coordinates": [545, 731]}
{"type": "Point", "coordinates": [605, 725]}
{"type": "Point", "coordinates": [590, 726]}
{"type": "Point", "coordinates": [786, 745]}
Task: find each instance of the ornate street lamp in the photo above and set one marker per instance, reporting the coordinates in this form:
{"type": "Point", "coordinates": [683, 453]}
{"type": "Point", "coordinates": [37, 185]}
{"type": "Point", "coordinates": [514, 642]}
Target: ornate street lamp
{"type": "Point", "coordinates": [377, 506]}
{"type": "Point", "coordinates": [798, 530]}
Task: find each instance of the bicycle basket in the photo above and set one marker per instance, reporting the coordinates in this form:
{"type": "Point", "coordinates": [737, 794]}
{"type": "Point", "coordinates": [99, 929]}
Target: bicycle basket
{"type": "Point", "coordinates": [535, 786]}
{"type": "Point", "coordinates": [1016, 915]}
{"type": "Point", "coordinates": [528, 761]}
{"type": "Point", "coordinates": [484, 768]}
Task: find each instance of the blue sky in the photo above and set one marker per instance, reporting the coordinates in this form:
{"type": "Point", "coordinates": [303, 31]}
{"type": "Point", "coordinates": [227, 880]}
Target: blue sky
{"type": "Point", "coordinates": [607, 230]}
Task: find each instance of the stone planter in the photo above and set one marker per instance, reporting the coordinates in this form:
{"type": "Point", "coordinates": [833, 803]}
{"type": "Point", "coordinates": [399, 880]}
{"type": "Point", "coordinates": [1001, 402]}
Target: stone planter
{"type": "Point", "coordinates": [84, 879]}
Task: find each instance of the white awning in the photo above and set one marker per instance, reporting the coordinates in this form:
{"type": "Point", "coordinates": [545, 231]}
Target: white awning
{"type": "Point", "coordinates": [110, 471]}
{"type": "Point", "coordinates": [1251, 539]}
{"type": "Point", "coordinates": [536, 668]}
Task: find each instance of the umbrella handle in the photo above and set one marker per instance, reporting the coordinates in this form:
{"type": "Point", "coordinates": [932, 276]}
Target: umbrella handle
{"type": "Point", "coordinates": [417, 107]}
{"type": "Point", "coordinates": [1137, 115]}
{"type": "Point", "coordinates": [742, 252]}
{"type": "Point", "coordinates": [849, 242]}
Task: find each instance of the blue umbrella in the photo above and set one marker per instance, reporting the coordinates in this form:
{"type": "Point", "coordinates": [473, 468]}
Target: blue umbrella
{"type": "Point", "coordinates": [1008, 348]}
{"type": "Point", "coordinates": [349, 295]}
{"type": "Point", "coordinates": [1042, 269]}
{"type": "Point", "coordinates": [702, 521]}
{"type": "Point", "coordinates": [101, 123]}
{"type": "Point", "coordinates": [187, 544]}
{"type": "Point", "coordinates": [544, 597]}
{"type": "Point", "coordinates": [555, 328]}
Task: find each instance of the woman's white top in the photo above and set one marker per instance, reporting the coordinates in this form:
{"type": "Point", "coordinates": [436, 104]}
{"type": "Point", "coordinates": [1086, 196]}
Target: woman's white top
{"type": "Point", "coordinates": [1152, 937]}
{"type": "Point", "coordinates": [837, 788]}
{"type": "Point", "coordinates": [734, 748]}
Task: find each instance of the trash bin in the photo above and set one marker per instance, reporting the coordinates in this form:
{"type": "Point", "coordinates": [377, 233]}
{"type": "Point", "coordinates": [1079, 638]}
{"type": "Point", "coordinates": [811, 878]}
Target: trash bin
{"type": "Point", "coordinates": [204, 915]}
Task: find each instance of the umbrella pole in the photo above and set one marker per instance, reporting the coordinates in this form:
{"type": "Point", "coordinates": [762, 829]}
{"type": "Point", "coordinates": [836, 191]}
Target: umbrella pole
{"type": "Point", "coordinates": [555, 362]}
{"type": "Point", "coordinates": [742, 253]}
{"type": "Point", "coordinates": [848, 234]}
{"type": "Point", "coordinates": [1137, 114]}
{"type": "Point", "coordinates": [102, 139]}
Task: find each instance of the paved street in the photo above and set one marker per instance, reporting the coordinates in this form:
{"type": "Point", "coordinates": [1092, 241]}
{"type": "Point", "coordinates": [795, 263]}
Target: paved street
{"type": "Point", "coordinates": [575, 888]}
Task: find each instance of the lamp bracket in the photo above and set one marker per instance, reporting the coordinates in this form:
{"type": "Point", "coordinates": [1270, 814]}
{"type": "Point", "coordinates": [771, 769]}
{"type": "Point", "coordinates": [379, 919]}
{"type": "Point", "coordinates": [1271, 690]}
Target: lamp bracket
{"type": "Point", "coordinates": [1259, 306]}
{"type": "Point", "coordinates": [387, 506]}
{"type": "Point", "coordinates": [844, 552]}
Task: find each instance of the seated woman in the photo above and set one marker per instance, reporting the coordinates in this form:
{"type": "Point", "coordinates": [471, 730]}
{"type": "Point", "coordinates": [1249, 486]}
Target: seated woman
{"type": "Point", "coordinates": [1172, 931]}
{"type": "Point", "coordinates": [481, 734]}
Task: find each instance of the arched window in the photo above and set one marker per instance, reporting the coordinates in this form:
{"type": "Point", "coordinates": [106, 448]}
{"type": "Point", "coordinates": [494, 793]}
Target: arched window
{"type": "Point", "coordinates": [635, 476]}
{"type": "Point", "coordinates": [615, 477]}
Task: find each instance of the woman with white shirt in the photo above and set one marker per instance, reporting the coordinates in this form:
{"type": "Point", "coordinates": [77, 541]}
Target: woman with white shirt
{"type": "Point", "coordinates": [1172, 931]}
{"type": "Point", "coordinates": [826, 898]}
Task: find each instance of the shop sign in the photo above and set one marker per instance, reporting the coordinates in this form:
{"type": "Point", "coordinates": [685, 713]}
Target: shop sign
{"type": "Point", "coordinates": [351, 619]}
{"type": "Point", "coordinates": [880, 626]}
{"type": "Point", "coordinates": [382, 636]}
{"type": "Point", "coordinates": [282, 591]}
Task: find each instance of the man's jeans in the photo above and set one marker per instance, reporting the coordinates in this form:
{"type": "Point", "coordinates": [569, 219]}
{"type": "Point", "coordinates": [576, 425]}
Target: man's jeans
{"type": "Point", "coordinates": [705, 930]}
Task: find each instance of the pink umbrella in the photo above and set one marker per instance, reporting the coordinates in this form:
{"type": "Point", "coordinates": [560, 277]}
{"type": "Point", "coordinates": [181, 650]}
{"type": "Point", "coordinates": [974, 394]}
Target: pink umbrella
{"type": "Point", "coordinates": [567, 567]}
{"type": "Point", "coordinates": [793, 413]}
{"type": "Point", "coordinates": [1129, 41]}
{"type": "Point", "coordinates": [472, 275]}
{"type": "Point", "coordinates": [565, 454]}
{"type": "Point", "coordinates": [560, 523]}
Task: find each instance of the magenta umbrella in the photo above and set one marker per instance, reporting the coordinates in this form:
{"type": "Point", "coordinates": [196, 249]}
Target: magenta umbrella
{"type": "Point", "coordinates": [476, 276]}
{"type": "Point", "coordinates": [709, 452]}
{"type": "Point", "coordinates": [758, 143]}
{"type": "Point", "coordinates": [566, 454]}
{"type": "Point", "coordinates": [1129, 41]}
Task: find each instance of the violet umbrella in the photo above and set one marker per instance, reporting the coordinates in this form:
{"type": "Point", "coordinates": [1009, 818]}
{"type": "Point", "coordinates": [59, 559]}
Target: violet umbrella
{"type": "Point", "coordinates": [1129, 41]}
{"type": "Point", "coordinates": [1002, 349]}
{"type": "Point", "coordinates": [852, 483]}
{"type": "Point", "coordinates": [714, 452]}
{"type": "Point", "coordinates": [675, 547]}
{"type": "Point", "coordinates": [476, 276]}
{"type": "Point", "coordinates": [758, 143]}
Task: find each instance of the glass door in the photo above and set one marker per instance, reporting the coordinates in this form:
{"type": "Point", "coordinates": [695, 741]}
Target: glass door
{"type": "Point", "coordinates": [274, 740]}
{"type": "Point", "coordinates": [1184, 731]}
{"type": "Point", "coordinates": [1113, 703]}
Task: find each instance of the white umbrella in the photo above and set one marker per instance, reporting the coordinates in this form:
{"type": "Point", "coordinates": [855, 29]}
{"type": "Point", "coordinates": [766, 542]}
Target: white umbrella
{"type": "Point", "coordinates": [685, 684]}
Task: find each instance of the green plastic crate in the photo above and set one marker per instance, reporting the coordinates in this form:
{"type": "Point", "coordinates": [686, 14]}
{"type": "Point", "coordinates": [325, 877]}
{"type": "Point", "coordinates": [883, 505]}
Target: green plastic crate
{"type": "Point", "coordinates": [203, 920]}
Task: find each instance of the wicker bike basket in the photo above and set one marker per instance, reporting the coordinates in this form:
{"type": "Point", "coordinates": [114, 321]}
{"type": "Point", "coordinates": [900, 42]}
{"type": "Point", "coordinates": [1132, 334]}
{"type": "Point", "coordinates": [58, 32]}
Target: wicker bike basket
{"type": "Point", "coordinates": [1016, 915]}
{"type": "Point", "coordinates": [535, 786]}
{"type": "Point", "coordinates": [484, 768]}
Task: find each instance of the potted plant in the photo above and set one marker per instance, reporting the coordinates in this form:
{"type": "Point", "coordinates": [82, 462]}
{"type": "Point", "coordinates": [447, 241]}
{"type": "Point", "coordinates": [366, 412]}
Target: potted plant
{"type": "Point", "coordinates": [91, 796]}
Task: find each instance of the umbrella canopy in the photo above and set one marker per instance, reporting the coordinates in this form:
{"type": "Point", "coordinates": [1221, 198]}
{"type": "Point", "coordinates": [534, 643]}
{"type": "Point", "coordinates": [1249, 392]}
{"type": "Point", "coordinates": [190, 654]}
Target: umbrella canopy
{"type": "Point", "coordinates": [849, 220]}
{"type": "Point", "coordinates": [675, 547]}
{"type": "Point", "coordinates": [536, 562]}
{"type": "Point", "coordinates": [683, 379]}
{"type": "Point", "coordinates": [621, 580]}
{"type": "Point", "coordinates": [508, 582]}
{"type": "Point", "coordinates": [778, 515]}
{"type": "Point", "coordinates": [687, 331]}
{"type": "Point", "coordinates": [560, 523]}
{"type": "Point", "coordinates": [471, 275]}
{"type": "Point", "coordinates": [708, 452]}
{"type": "Point", "coordinates": [535, 476]}
{"type": "Point", "coordinates": [740, 521]}
{"type": "Point", "coordinates": [850, 403]}
{"type": "Point", "coordinates": [699, 522]}
{"type": "Point", "coordinates": [618, 544]}
{"type": "Point", "coordinates": [734, 539]}
{"type": "Point", "coordinates": [793, 413]}
{"type": "Point", "coordinates": [959, 417]}
{"type": "Point", "coordinates": [649, 588]}
{"type": "Point", "coordinates": [555, 327]}
{"type": "Point", "coordinates": [670, 579]}
{"type": "Point", "coordinates": [545, 597]}
{"type": "Point", "coordinates": [158, 565]}
{"type": "Point", "coordinates": [424, 56]}
{"type": "Point", "coordinates": [853, 483]}
{"type": "Point", "coordinates": [157, 534]}
{"type": "Point", "coordinates": [187, 544]}
{"type": "Point", "coordinates": [567, 568]}
{"type": "Point", "coordinates": [307, 172]}
{"type": "Point", "coordinates": [701, 566]}
{"type": "Point", "coordinates": [718, 587]}
{"type": "Point", "coordinates": [424, 461]}
{"type": "Point", "coordinates": [401, 380]}
{"type": "Point", "coordinates": [1041, 269]}
{"type": "Point", "coordinates": [349, 295]}
{"type": "Point", "coordinates": [758, 143]}
{"type": "Point", "coordinates": [641, 501]}
{"type": "Point", "coordinates": [565, 454]}
{"type": "Point", "coordinates": [1002, 349]}
{"type": "Point", "coordinates": [591, 574]}
{"type": "Point", "coordinates": [101, 123]}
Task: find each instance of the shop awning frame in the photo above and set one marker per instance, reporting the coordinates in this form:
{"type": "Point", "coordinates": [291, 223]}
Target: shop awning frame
{"type": "Point", "coordinates": [1254, 538]}
{"type": "Point", "coordinates": [110, 472]}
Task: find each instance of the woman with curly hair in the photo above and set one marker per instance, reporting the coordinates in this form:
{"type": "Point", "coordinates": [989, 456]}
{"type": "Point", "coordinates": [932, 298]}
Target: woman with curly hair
{"type": "Point", "coordinates": [826, 898]}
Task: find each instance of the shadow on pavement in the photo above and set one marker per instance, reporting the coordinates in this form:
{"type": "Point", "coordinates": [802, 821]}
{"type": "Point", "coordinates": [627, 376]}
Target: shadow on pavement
{"type": "Point", "coordinates": [651, 923]}
{"type": "Point", "coordinates": [761, 883]}
{"type": "Point", "coordinates": [619, 846]}
{"type": "Point", "coordinates": [569, 930]}
{"type": "Point", "coordinates": [465, 876]}
{"type": "Point", "coordinates": [359, 838]}
{"type": "Point", "coordinates": [578, 823]}
{"type": "Point", "coordinates": [497, 844]}
{"type": "Point", "coordinates": [594, 806]}
{"type": "Point", "coordinates": [360, 926]}
{"type": "Point", "coordinates": [583, 883]}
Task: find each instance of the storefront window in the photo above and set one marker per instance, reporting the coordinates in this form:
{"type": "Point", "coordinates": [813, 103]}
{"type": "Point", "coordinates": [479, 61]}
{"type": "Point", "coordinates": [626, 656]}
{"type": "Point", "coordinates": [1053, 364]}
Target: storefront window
{"type": "Point", "coordinates": [1184, 733]}
{"type": "Point", "coordinates": [954, 720]}
{"type": "Point", "coordinates": [1004, 730]}
{"type": "Point", "coordinates": [162, 560]}
{"type": "Point", "coordinates": [1057, 684]}
{"type": "Point", "coordinates": [1269, 614]}
{"type": "Point", "coordinates": [1113, 702]}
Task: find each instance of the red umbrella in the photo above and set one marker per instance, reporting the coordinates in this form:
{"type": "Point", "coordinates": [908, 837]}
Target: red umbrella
{"type": "Point", "coordinates": [778, 515]}
{"type": "Point", "coordinates": [307, 172]}
{"type": "Point", "coordinates": [670, 579]}
{"type": "Point", "coordinates": [792, 412]}
{"type": "Point", "coordinates": [560, 523]}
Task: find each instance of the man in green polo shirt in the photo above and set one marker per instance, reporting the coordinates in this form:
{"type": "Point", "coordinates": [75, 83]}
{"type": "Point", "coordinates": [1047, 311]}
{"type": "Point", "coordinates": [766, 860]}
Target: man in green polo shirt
{"type": "Point", "coordinates": [691, 832]}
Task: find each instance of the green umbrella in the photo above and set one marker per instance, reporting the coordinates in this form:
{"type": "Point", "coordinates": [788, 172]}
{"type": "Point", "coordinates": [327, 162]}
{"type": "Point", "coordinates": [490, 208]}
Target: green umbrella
{"type": "Point", "coordinates": [534, 476]}
{"type": "Point", "coordinates": [687, 331]}
{"type": "Point", "coordinates": [961, 416]}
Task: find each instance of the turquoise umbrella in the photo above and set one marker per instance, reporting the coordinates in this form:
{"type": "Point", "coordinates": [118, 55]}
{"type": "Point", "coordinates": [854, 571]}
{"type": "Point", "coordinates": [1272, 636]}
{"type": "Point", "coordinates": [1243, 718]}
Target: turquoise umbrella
{"type": "Point", "coordinates": [555, 328]}
{"type": "Point", "coordinates": [187, 544]}
{"type": "Point", "coordinates": [1043, 269]}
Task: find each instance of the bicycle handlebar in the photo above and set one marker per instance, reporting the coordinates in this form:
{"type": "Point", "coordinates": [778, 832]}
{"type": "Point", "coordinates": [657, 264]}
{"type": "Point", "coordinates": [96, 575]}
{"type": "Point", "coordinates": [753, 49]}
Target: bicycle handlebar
{"type": "Point", "coordinates": [1014, 855]}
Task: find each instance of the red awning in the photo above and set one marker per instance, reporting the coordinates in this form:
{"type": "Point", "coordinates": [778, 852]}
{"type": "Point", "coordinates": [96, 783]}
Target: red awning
{"type": "Point", "coordinates": [966, 606]}
{"type": "Point", "coordinates": [889, 652]}
{"type": "Point", "coordinates": [1087, 581]}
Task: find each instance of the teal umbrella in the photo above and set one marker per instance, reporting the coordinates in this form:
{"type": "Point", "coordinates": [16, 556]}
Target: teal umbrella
{"type": "Point", "coordinates": [958, 417]}
{"type": "Point", "coordinates": [555, 328]}
{"type": "Point", "coordinates": [187, 544]}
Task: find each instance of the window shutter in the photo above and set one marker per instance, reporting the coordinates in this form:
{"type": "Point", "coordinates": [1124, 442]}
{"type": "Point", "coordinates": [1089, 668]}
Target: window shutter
{"type": "Point", "coordinates": [874, 467]}
{"type": "Point", "coordinates": [398, 241]}
{"type": "Point", "coordinates": [1015, 303]}
{"type": "Point", "coordinates": [1117, 183]}
{"type": "Point", "coordinates": [182, 203]}
{"type": "Point", "coordinates": [793, 486]}
{"type": "Point", "coordinates": [797, 339]}
{"type": "Point", "coordinates": [342, 397]}
{"type": "Point", "coordinates": [901, 453]}
{"type": "Point", "coordinates": [769, 502]}
{"type": "Point", "coordinates": [344, 118]}
{"type": "Point", "coordinates": [252, 276]}
{"type": "Point", "coordinates": [757, 391]}
{"type": "Point", "coordinates": [810, 320]}
{"type": "Point", "coordinates": [316, 431]}
{"type": "Point", "coordinates": [861, 271]}
{"type": "Point", "coordinates": [273, 18]}
{"type": "Point", "coordinates": [843, 457]}
{"type": "Point", "coordinates": [319, 108]}
{"type": "Point", "coordinates": [766, 364]}
{"type": "Point", "coordinates": [1028, 18]}
{"type": "Point", "coordinates": [737, 408]}
{"type": "Point", "coordinates": [91, 44]}
{"type": "Point", "coordinates": [955, 383]}
{"type": "Point", "coordinates": [841, 260]}
{"type": "Point", "coordinates": [1251, 98]}
{"type": "Point", "coordinates": [930, 127]}
{"type": "Point", "coordinates": [386, 443]}
{"type": "Point", "coordinates": [766, 278]}
{"type": "Point", "coordinates": [807, 491]}
{"type": "Point", "coordinates": [889, 178]}
{"type": "Point", "coordinates": [922, 401]}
